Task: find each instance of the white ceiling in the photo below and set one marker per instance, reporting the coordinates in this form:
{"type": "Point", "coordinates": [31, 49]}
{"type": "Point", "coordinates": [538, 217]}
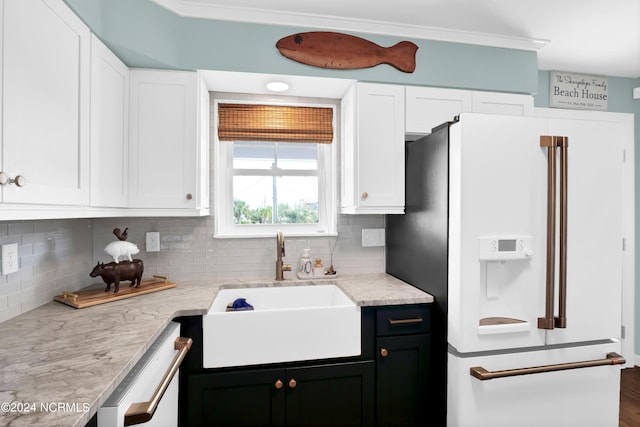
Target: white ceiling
{"type": "Point", "coordinates": [583, 36]}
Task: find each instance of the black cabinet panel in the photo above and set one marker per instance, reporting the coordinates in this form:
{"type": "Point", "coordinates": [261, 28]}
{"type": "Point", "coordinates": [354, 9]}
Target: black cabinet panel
{"type": "Point", "coordinates": [241, 398]}
{"type": "Point", "coordinates": [402, 369]}
{"type": "Point", "coordinates": [331, 395]}
{"type": "Point", "coordinates": [323, 395]}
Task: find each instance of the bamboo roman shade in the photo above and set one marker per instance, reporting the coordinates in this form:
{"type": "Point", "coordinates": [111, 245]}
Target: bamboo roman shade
{"type": "Point", "coordinates": [250, 122]}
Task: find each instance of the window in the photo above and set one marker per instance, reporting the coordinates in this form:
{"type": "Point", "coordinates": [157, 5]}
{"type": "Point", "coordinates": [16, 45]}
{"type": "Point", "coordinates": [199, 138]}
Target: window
{"type": "Point", "coordinates": [271, 176]}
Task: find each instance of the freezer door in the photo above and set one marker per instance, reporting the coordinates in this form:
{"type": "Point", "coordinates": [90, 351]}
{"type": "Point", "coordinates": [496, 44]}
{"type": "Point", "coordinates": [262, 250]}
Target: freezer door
{"type": "Point", "coordinates": [581, 397]}
{"type": "Point", "coordinates": [594, 230]}
{"type": "Point", "coordinates": [496, 232]}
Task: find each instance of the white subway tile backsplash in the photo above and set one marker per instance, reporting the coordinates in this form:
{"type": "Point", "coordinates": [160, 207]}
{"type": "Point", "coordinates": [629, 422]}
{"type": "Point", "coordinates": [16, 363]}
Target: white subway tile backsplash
{"type": "Point", "coordinates": [187, 245]}
{"type": "Point", "coordinates": [58, 255]}
{"type": "Point", "coordinates": [54, 256]}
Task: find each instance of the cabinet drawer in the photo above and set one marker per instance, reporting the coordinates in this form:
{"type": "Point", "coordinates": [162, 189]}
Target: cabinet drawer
{"type": "Point", "coordinates": [403, 319]}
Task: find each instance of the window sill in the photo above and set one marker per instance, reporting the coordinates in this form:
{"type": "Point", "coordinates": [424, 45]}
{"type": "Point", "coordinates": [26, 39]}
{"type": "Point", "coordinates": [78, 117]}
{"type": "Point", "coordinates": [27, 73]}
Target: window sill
{"type": "Point", "coordinates": [271, 235]}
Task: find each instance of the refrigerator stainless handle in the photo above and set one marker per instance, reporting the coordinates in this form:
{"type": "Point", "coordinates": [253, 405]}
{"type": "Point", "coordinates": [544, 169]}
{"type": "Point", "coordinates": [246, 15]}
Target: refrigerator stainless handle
{"type": "Point", "coordinates": [483, 375]}
{"type": "Point", "coordinates": [548, 321]}
{"type": "Point", "coordinates": [141, 412]}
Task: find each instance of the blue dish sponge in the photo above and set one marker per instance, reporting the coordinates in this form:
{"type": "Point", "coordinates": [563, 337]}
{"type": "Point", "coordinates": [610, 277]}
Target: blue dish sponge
{"type": "Point", "coordinates": [239, 304]}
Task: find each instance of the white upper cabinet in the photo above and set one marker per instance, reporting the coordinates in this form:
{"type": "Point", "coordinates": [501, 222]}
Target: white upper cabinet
{"type": "Point", "coordinates": [45, 103]}
{"type": "Point", "coordinates": [109, 127]}
{"type": "Point", "coordinates": [428, 107]}
{"type": "Point", "coordinates": [373, 149]}
{"type": "Point", "coordinates": [509, 104]}
{"type": "Point", "coordinates": [169, 142]}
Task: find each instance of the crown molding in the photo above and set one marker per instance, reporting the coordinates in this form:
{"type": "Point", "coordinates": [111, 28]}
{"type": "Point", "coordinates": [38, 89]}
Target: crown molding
{"type": "Point", "coordinates": [195, 9]}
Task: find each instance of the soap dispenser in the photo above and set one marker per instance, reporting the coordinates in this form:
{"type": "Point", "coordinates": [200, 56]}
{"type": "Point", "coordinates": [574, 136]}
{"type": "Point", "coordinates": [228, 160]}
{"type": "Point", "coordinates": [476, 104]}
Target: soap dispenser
{"type": "Point", "coordinates": [305, 263]}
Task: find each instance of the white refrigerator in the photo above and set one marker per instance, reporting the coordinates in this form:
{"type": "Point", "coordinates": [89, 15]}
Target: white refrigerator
{"type": "Point", "coordinates": [515, 225]}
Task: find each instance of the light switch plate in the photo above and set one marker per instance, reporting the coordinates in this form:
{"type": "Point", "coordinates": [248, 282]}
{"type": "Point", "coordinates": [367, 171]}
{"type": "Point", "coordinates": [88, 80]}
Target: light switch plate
{"type": "Point", "coordinates": [9, 258]}
{"type": "Point", "coordinates": [372, 237]}
{"type": "Point", "coordinates": [153, 241]}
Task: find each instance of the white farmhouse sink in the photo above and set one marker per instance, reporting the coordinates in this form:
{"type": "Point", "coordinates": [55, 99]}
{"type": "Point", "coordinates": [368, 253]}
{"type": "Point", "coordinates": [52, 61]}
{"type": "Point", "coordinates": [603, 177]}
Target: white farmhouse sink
{"type": "Point", "coordinates": [288, 323]}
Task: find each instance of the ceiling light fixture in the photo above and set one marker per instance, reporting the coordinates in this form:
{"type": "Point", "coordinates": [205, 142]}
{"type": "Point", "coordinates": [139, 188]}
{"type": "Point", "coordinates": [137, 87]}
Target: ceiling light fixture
{"type": "Point", "coordinates": [277, 86]}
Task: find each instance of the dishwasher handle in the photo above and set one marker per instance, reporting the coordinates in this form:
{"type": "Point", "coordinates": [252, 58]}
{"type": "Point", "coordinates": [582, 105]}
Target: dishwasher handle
{"type": "Point", "coordinates": [141, 412]}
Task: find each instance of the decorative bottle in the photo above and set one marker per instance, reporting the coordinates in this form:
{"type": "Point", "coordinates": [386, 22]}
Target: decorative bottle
{"type": "Point", "coordinates": [305, 263]}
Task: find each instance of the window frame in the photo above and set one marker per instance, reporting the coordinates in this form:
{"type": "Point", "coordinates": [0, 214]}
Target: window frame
{"type": "Point", "coordinates": [224, 227]}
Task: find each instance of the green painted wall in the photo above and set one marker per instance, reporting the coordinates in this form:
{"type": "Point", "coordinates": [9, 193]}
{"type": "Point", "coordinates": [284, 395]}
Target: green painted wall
{"type": "Point", "coordinates": [144, 34]}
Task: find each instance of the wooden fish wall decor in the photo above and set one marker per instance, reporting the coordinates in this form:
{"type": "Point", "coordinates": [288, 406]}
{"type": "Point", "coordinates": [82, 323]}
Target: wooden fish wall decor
{"type": "Point", "coordinates": [345, 52]}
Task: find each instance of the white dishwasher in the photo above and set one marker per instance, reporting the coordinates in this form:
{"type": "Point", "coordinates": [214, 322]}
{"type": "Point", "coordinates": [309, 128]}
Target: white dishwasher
{"type": "Point", "coordinates": [149, 393]}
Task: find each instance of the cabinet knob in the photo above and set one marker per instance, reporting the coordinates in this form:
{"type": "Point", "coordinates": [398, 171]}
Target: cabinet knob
{"type": "Point", "coordinates": [292, 383]}
{"type": "Point", "coordinates": [189, 196]}
{"type": "Point", "coordinates": [278, 385]}
{"type": "Point", "coordinates": [19, 180]}
{"type": "Point", "coordinates": [384, 352]}
{"type": "Point", "coordinates": [365, 195]}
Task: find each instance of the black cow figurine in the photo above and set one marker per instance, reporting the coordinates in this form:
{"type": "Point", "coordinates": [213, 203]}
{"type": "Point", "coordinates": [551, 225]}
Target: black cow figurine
{"type": "Point", "coordinates": [114, 273]}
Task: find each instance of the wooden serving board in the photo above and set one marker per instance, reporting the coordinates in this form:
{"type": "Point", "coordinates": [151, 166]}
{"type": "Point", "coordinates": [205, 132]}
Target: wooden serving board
{"type": "Point", "coordinates": [96, 295]}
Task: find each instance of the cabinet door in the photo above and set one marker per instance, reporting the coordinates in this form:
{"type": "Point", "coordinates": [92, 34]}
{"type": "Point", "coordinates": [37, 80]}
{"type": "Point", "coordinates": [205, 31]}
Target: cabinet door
{"type": "Point", "coordinates": [164, 143]}
{"type": "Point", "coordinates": [428, 107]}
{"type": "Point", "coordinates": [109, 127]}
{"type": "Point", "coordinates": [240, 398]}
{"type": "Point", "coordinates": [373, 150]}
{"type": "Point", "coordinates": [45, 103]}
{"type": "Point", "coordinates": [331, 395]}
{"type": "Point", "coordinates": [402, 366]}
{"type": "Point", "coordinates": [510, 104]}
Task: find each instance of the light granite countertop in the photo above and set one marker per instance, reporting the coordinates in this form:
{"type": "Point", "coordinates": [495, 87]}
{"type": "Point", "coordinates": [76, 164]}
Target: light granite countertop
{"type": "Point", "coordinates": [58, 364]}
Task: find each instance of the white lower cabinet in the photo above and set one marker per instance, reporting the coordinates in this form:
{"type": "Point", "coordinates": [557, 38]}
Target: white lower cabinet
{"type": "Point", "coordinates": [45, 105]}
{"type": "Point", "coordinates": [373, 149]}
{"type": "Point", "coordinates": [169, 142]}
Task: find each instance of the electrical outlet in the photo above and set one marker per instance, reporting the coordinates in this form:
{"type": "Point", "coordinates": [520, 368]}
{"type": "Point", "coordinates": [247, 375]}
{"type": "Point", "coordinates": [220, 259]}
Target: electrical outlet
{"type": "Point", "coordinates": [153, 241]}
{"type": "Point", "coordinates": [372, 237]}
{"type": "Point", "coordinates": [9, 258]}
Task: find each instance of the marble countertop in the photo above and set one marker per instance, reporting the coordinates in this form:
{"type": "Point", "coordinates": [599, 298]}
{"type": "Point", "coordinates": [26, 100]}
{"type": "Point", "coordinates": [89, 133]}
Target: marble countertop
{"type": "Point", "coordinates": [59, 364]}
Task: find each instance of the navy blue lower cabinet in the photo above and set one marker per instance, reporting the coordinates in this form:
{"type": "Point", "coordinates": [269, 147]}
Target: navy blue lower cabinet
{"type": "Point", "coordinates": [236, 398]}
{"type": "Point", "coordinates": [340, 394]}
{"type": "Point", "coordinates": [331, 395]}
{"type": "Point", "coordinates": [387, 385]}
{"type": "Point", "coordinates": [403, 351]}
{"type": "Point", "coordinates": [402, 374]}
